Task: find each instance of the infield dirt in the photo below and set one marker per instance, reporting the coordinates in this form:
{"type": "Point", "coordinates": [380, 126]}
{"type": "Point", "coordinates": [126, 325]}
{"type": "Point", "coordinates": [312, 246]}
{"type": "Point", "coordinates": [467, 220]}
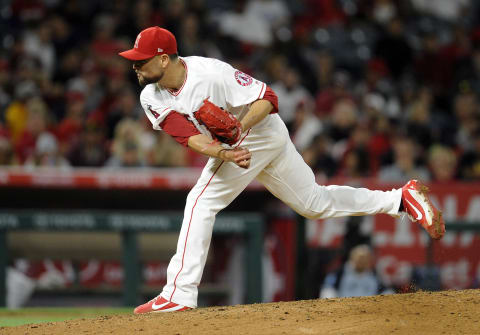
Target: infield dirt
{"type": "Point", "coordinates": [447, 312]}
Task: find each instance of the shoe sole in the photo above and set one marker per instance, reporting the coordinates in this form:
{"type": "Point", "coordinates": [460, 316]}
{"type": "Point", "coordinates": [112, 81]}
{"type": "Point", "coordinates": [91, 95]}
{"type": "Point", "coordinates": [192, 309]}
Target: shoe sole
{"type": "Point", "coordinates": [167, 311]}
{"type": "Point", "coordinates": [164, 311]}
{"type": "Point", "coordinates": [437, 220]}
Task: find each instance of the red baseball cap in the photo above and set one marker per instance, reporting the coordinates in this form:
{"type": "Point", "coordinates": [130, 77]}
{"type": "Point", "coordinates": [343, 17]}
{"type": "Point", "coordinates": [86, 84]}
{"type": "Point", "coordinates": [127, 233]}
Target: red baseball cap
{"type": "Point", "coordinates": [151, 42]}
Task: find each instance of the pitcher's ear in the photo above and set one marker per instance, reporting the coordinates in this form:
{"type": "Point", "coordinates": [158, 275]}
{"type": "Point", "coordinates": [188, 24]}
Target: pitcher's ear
{"type": "Point", "coordinates": [165, 60]}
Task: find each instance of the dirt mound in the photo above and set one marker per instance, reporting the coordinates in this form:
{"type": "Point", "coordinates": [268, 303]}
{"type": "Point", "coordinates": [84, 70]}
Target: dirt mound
{"type": "Point", "coordinates": [448, 312]}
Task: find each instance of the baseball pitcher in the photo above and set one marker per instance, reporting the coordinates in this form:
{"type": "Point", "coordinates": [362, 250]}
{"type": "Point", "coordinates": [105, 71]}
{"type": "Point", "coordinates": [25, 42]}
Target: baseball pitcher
{"type": "Point", "coordinates": [221, 112]}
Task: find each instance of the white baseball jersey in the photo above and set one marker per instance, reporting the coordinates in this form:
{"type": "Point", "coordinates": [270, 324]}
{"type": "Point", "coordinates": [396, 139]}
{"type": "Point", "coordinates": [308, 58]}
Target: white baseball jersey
{"type": "Point", "coordinates": [275, 163]}
{"type": "Point", "coordinates": [205, 78]}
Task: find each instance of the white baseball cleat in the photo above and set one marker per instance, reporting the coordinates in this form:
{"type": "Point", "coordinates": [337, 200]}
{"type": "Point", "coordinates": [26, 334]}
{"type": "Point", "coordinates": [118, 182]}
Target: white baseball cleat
{"type": "Point", "coordinates": [419, 209]}
{"type": "Point", "coordinates": [158, 305]}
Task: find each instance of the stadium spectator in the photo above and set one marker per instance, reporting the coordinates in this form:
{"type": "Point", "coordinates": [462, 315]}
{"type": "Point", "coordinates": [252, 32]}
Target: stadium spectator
{"type": "Point", "coordinates": [38, 122]}
{"type": "Point", "coordinates": [46, 153]}
{"type": "Point", "coordinates": [38, 44]}
{"type": "Point", "coordinates": [356, 160]}
{"type": "Point", "coordinates": [355, 278]}
{"type": "Point", "coordinates": [305, 126]}
{"type": "Point", "coordinates": [429, 60]}
{"type": "Point", "coordinates": [90, 149]}
{"type": "Point", "coordinates": [254, 21]}
{"type": "Point", "coordinates": [125, 107]}
{"type": "Point", "coordinates": [384, 11]}
{"type": "Point", "coordinates": [442, 161]}
{"type": "Point", "coordinates": [469, 166]}
{"type": "Point", "coordinates": [468, 70]}
{"type": "Point", "coordinates": [377, 79]}
{"type": "Point", "coordinates": [68, 130]}
{"type": "Point", "coordinates": [404, 166]}
{"type": "Point", "coordinates": [450, 10]}
{"type": "Point", "coordinates": [163, 152]}
{"type": "Point", "coordinates": [63, 38]}
{"type": "Point", "coordinates": [354, 164]}
{"type": "Point", "coordinates": [16, 113]}
{"type": "Point", "coordinates": [192, 37]}
{"type": "Point", "coordinates": [86, 80]}
{"type": "Point", "coordinates": [380, 142]}
{"type": "Point", "coordinates": [419, 117]}
{"type": "Point", "coordinates": [333, 89]}
{"type": "Point", "coordinates": [324, 66]}
{"type": "Point", "coordinates": [7, 154]}
{"type": "Point", "coordinates": [290, 94]}
{"type": "Point", "coordinates": [343, 119]}
{"type": "Point", "coordinates": [136, 16]}
{"type": "Point", "coordinates": [104, 44]}
{"type": "Point", "coordinates": [466, 109]}
{"type": "Point", "coordinates": [126, 146]}
{"type": "Point", "coordinates": [317, 155]}
{"type": "Point", "coordinates": [394, 48]}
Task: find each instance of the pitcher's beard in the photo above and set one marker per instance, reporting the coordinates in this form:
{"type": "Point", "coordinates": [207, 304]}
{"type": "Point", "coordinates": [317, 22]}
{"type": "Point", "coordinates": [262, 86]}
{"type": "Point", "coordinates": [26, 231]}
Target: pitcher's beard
{"type": "Point", "coordinates": [145, 81]}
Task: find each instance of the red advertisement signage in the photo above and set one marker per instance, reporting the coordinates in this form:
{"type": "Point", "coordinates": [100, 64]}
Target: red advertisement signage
{"type": "Point", "coordinates": [400, 246]}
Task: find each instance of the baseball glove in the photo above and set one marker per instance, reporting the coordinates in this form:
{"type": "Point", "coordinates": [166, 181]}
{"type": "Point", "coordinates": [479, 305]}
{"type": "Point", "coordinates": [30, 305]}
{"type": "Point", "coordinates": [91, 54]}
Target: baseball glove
{"type": "Point", "coordinates": [223, 125]}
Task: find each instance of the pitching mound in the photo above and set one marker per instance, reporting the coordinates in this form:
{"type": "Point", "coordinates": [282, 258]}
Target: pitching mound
{"type": "Point", "coordinates": [448, 312]}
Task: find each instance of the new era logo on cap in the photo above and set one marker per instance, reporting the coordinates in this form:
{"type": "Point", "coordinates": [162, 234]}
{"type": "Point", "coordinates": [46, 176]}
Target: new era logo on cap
{"type": "Point", "coordinates": [137, 40]}
{"type": "Point", "coordinates": [151, 42]}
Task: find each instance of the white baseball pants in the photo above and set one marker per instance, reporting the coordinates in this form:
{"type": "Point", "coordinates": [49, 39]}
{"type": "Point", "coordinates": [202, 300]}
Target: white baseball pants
{"type": "Point", "coordinates": [277, 165]}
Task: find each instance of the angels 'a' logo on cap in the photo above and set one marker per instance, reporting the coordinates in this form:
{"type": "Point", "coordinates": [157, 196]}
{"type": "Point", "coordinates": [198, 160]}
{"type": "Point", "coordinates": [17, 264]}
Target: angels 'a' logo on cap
{"type": "Point", "coordinates": [243, 78]}
{"type": "Point", "coordinates": [155, 41]}
{"type": "Point", "coordinates": [137, 40]}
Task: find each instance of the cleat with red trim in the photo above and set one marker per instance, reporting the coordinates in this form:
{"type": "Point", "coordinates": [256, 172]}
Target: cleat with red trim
{"type": "Point", "coordinates": [419, 209]}
{"type": "Point", "coordinates": [158, 305]}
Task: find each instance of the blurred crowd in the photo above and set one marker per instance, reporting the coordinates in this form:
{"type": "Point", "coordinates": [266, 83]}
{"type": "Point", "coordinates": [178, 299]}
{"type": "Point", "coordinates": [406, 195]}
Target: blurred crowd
{"type": "Point", "coordinates": [368, 88]}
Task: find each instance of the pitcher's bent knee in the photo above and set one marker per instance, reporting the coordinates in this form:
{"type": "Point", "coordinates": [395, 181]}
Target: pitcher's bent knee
{"type": "Point", "coordinates": [316, 203]}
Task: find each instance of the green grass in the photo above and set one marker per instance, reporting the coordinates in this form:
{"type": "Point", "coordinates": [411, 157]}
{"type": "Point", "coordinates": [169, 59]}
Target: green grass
{"type": "Point", "coordinates": [9, 318]}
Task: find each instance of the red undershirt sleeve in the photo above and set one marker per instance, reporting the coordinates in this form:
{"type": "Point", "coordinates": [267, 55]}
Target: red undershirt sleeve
{"type": "Point", "coordinates": [179, 127]}
{"type": "Point", "coordinates": [272, 97]}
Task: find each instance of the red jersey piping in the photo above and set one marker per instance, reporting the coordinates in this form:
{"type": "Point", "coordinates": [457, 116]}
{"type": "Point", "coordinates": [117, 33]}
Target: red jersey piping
{"type": "Point", "coordinates": [177, 92]}
{"type": "Point", "coordinates": [191, 217]}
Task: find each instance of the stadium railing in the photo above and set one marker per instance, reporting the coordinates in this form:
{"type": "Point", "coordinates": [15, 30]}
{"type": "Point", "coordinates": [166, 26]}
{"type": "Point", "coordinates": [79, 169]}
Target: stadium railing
{"type": "Point", "coordinates": [129, 224]}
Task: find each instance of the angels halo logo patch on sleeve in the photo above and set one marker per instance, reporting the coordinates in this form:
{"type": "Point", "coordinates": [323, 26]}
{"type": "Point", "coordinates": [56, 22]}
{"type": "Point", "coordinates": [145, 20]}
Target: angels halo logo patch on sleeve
{"type": "Point", "coordinates": [243, 78]}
